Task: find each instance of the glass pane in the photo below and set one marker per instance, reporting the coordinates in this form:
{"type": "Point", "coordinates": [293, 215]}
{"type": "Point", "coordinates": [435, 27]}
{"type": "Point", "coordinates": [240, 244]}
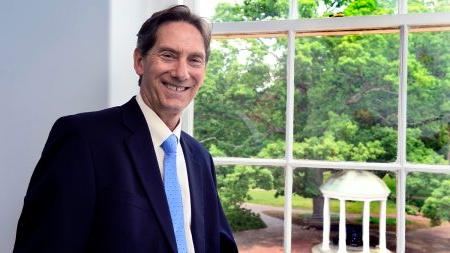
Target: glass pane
{"type": "Point", "coordinates": [240, 110]}
{"type": "Point", "coordinates": [345, 8]}
{"type": "Point", "coordinates": [428, 210]}
{"type": "Point", "coordinates": [240, 10]}
{"type": "Point", "coordinates": [308, 208]}
{"type": "Point", "coordinates": [422, 6]}
{"type": "Point", "coordinates": [346, 93]}
{"type": "Point", "coordinates": [428, 135]}
{"type": "Point", "coordinates": [252, 206]}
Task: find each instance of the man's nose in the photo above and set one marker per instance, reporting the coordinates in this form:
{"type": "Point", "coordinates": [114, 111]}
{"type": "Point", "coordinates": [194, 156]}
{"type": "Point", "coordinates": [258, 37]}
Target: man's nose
{"type": "Point", "coordinates": [180, 70]}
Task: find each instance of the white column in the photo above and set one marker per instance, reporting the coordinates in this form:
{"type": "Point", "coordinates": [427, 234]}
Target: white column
{"type": "Point", "coordinates": [366, 227]}
{"type": "Point", "coordinates": [342, 232]}
{"type": "Point", "coordinates": [382, 242]}
{"type": "Point", "coordinates": [326, 224]}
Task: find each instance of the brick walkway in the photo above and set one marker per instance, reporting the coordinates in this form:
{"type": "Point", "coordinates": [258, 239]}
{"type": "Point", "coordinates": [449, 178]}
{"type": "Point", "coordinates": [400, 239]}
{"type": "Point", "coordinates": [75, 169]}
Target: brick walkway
{"type": "Point", "coordinates": [431, 240]}
{"type": "Point", "coordinates": [270, 239]}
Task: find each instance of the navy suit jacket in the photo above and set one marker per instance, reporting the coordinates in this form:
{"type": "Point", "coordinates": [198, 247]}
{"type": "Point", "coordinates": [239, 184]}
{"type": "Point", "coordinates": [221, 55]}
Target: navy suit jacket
{"type": "Point", "coordinates": [97, 188]}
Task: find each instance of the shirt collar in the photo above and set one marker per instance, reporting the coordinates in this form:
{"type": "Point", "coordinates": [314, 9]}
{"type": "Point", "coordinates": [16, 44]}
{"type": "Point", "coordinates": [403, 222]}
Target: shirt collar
{"type": "Point", "coordinates": [158, 129]}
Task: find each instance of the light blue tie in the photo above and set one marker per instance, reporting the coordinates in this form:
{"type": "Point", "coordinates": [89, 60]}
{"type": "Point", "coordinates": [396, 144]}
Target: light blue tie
{"type": "Point", "coordinates": [173, 191]}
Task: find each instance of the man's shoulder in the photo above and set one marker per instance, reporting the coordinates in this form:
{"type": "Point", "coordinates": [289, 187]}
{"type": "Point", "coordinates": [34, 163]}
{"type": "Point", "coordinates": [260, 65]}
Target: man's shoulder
{"type": "Point", "coordinates": [103, 116]}
{"type": "Point", "coordinates": [93, 125]}
{"type": "Point", "coordinates": [92, 119]}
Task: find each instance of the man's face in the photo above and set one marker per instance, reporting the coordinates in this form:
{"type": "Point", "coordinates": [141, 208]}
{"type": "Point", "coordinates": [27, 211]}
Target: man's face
{"type": "Point", "coordinates": [173, 69]}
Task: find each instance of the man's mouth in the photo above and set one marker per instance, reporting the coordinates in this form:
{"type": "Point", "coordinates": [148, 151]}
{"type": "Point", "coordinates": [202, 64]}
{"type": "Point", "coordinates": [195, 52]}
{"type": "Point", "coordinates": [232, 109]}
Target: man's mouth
{"type": "Point", "coordinates": [175, 87]}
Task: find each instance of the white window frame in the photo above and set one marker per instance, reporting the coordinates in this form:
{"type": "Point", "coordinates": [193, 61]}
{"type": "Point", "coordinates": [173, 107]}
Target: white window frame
{"type": "Point", "coordinates": [402, 23]}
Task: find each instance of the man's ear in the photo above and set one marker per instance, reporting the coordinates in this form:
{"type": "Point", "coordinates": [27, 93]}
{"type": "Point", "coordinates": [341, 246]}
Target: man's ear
{"type": "Point", "coordinates": [138, 62]}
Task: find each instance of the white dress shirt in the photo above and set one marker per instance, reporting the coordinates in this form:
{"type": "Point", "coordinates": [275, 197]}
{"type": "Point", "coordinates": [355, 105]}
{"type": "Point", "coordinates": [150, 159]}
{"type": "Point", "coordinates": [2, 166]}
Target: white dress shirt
{"type": "Point", "coordinates": [159, 133]}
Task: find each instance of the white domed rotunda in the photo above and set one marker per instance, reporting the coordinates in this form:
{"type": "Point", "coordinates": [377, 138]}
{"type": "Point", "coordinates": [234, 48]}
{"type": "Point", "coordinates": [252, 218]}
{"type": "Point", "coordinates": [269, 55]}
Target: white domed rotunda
{"type": "Point", "coordinates": [354, 185]}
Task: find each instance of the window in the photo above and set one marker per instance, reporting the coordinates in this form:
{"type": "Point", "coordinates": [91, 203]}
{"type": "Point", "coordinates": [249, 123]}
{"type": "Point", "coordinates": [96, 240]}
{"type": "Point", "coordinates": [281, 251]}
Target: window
{"type": "Point", "coordinates": [299, 90]}
{"type": "Point", "coordinates": [244, 79]}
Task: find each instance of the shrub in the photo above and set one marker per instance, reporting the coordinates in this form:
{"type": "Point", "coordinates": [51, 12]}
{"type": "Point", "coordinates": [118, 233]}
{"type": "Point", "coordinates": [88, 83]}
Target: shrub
{"type": "Point", "coordinates": [411, 210]}
{"type": "Point", "coordinates": [437, 206]}
{"type": "Point", "coordinates": [243, 219]}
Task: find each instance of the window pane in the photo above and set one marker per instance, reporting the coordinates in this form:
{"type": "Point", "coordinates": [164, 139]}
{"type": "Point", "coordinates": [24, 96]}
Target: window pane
{"type": "Point", "coordinates": [240, 110]}
{"type": "Point", "coordinates": [345, 8]}
{"type": "Point", "coordinates": [346, 93]}
{"type": "Point", "coordinates": [428, 209]}
{"type": "Point", "coordinates": [240, 10]}
{"type": "Point", "coordinates": [250, 10]}
{"type": "Point", "coordinates": [252, 206]}
{"type": "Point", "coordinates": [308, 206]}
{"type": "Point", "coordinates": [422, 6]}
{"type": "Point", "coordinates": [428, 135]}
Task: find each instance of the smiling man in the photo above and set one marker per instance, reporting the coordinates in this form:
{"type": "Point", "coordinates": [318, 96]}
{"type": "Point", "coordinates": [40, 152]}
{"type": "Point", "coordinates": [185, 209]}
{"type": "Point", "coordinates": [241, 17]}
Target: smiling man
{"type": "Point", "coordinates": [127, 179]}
{"type": "Point", "coordinates": [172, 70]}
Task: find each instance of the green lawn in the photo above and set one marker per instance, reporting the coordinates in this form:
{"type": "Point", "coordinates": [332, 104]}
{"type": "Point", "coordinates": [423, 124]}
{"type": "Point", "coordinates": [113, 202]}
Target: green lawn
{"type": "Point", "coordinates": [265, 197]}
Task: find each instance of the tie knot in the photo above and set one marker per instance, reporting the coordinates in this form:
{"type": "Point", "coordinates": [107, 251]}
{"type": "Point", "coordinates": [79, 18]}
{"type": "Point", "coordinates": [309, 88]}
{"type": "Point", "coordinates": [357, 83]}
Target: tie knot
{"type": "Point", "coordinates": [170, 144]}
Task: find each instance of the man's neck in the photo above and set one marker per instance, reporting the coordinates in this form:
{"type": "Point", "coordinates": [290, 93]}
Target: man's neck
{"type": "Point", "coordinates": [171, 119]}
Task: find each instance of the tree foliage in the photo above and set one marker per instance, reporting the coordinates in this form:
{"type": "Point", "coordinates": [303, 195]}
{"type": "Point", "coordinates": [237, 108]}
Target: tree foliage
{"type": "Point", "coordinates": [234, 182]}
{"type": "Point", "coordinates": [437, 207]}
{"type": "Point", "coordinates": [346, 99]}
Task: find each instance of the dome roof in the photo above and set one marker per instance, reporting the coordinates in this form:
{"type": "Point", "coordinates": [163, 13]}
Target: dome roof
{"type": "Point", "coordinates": [355, 184]}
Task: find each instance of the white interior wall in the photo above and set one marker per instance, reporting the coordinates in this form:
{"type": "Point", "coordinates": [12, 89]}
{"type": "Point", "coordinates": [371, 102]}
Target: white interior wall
{"type": "Point", "coordinates": [57, 58]}
{"type": "Point", "coordinates": [54, 61]}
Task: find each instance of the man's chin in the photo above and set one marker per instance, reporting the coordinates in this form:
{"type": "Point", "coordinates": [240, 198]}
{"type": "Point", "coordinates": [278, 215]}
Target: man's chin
{"type": "Point", "coordinates": [175, 109]}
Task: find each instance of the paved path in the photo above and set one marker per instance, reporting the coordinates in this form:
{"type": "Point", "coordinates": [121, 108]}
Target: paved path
{"type": "Point", "coordinates": [430, 240]}
{"type": "Point", "coordinates": [270, 239]}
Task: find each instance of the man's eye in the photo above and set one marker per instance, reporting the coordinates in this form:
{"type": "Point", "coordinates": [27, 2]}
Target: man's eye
{"type": "Point", "coordinates": [167, 55]}
{"type": "Point", "coordinates": [197, 61]}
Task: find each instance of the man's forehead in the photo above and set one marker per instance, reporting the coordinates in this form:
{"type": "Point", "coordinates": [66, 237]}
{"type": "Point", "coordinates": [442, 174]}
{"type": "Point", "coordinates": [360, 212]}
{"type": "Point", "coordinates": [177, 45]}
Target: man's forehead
{"type": "Point", "coordinates": [180, 35]}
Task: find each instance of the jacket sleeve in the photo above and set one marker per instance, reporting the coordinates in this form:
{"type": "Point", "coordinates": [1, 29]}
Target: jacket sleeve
{"type": "Point", "coordinates": [227, 243]}
{"type": "Point", "coordinates": [59, 203]}
{"type": "Point", "coordinates": [226, 239]}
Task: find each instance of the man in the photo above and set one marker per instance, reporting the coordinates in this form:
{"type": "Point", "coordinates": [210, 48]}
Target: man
{"type": "Point", "coordinates": [127, 179]}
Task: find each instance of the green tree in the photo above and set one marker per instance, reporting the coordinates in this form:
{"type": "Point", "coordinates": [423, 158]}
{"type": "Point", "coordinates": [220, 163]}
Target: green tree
{"type": "Point", "coordinates": [235, 109]}
{"type": "Point", "coordinates": [437, 206]}
{"type": "Point", "coordinates": [422, 6]}
{"type": "Point", "coordinates": [234, 183]}
{"type": "Point", "coordinates": [429, 92]}
{"type": "Point", "coordinates": [346, 90]}
{"type": "Point", "coordinates": [331, 146]}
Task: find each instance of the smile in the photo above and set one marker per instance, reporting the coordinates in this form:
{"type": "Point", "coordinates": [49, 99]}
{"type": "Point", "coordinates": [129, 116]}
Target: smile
{"type": "Point", "coordinates": [174, 87]}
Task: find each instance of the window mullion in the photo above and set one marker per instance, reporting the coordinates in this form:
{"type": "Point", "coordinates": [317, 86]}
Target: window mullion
{"type": "Point", "coordinates": [402, 6]}
{"type": "Point", "coordinates": [289, 142]}
{"type": "Point", "coordinates": [351, 23]}
{"type": "Point", "coordinates": [293, 10]}
{"type": "Point", "coordinates": [288, 182]}
{"type": "Point", "coordinates": [401, 141]}
{"type": "Point", "coordinates": [187, 123]}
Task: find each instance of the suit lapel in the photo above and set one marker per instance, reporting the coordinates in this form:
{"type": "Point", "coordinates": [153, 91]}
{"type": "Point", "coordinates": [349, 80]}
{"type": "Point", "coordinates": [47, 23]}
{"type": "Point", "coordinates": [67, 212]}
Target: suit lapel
{"type": "Point", "coordinates": [143, 155]}
{"type": "Point", "coordinates": [195, 177]}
